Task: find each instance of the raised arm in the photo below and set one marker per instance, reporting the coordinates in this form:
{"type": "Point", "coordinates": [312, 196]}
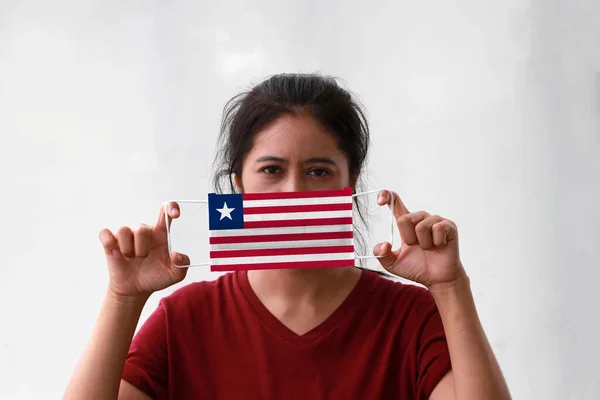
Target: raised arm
{"type": "Point", "coordinates": [139, 264]}
{"type": "Point", "coordinates": [429, 255]}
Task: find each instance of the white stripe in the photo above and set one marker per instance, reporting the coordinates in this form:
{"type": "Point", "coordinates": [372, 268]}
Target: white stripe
{"type": "Point", "coordinates": [298, 202]}
{"type": "Point", "coordinates": [271, 259]}
{"type": "Point", "coordinates": [297, 215]}
{"type": "Point", "coordinates": [281, 231]}
{"type": "Point", "coordinates": [282, 245]}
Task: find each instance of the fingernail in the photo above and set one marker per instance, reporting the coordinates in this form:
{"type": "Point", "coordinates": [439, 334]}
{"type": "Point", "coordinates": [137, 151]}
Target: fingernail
{"type": "Point", "coordinates": [116, 253]}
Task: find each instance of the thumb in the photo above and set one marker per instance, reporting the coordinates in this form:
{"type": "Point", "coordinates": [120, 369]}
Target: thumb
{"type": "Point", "coordinates": [179, 274]}
{"type": "Point", "coordinates": [180, 260]}
{"type": "Point", "coordinates": [178, 269]}
{"type": "Point", "coordinates": [385, 255]}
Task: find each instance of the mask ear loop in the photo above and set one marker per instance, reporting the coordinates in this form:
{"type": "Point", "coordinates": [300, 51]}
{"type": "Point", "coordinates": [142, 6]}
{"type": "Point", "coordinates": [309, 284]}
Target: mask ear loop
{"type": "Point", "coordinates": [169, 230]}
{"type": "Point", "coordinates": [205, 264]}
{"type": "Point", "coordinates": [391, 224]}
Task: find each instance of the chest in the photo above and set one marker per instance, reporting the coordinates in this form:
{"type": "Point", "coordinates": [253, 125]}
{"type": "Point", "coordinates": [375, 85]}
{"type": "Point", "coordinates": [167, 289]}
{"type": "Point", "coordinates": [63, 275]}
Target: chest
{"type": "Point", "coordinates": [258, 364]}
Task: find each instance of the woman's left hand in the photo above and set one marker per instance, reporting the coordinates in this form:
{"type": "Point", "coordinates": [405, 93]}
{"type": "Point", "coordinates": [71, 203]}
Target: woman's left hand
{"type": "Point", "coordinates": [429, 253]}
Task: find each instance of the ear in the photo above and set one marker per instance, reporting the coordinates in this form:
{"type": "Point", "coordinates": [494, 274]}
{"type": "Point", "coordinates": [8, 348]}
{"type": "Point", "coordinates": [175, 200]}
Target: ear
{"type": "Point", "coordinates": [237, 179]}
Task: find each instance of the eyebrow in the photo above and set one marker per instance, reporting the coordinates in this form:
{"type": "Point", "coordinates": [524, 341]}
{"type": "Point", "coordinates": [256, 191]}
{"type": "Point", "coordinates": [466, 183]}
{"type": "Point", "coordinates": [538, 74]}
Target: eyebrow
{"type": "Point", "coordinates": [312, 160]}
{"type": "Point", "coordinates": [270, 158]}
{"type": "Point", "coordinates": [322, 160]}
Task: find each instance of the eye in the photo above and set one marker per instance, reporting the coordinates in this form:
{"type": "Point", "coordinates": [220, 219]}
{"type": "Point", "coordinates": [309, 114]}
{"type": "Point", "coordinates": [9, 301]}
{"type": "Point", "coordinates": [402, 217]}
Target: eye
{"type": "Point", "coordinates": [271, 170]}
{"type": "Point", "coordinates": [319, 172]}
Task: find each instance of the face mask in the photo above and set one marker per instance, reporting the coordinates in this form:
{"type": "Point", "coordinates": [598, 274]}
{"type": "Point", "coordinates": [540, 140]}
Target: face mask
{"type": "Point", "coordinates": [280, 230]}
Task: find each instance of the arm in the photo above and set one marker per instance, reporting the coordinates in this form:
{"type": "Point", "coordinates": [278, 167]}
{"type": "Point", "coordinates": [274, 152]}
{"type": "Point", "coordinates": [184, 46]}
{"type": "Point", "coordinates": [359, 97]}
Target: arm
{"type": "Point", "coordinates": [98, 373]}
{"type": "Point", "coordinates": [475, 371]}
{"type": "Point", "coordinates": [139, 264]}
{"type": "Point", "coordinates": [430, 255]}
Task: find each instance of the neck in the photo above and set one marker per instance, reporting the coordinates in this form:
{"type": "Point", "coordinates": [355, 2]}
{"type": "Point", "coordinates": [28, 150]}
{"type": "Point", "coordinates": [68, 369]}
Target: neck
{"type": "Point", "coordinates": [302, 285]}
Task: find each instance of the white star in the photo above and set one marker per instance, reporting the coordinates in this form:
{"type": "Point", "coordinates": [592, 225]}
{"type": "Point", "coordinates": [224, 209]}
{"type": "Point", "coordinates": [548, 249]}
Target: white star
{"type": "Point", "coordinates": [225, 211]}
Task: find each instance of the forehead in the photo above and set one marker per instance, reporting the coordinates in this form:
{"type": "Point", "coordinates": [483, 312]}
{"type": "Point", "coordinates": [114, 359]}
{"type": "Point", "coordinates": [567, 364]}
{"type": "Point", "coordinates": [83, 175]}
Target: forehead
{"type": "Point", "coordinates": [293, 136]}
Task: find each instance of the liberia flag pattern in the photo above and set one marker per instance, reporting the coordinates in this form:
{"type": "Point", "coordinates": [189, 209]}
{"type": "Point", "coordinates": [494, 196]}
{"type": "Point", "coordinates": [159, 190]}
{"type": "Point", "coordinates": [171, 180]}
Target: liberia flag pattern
{"type": "Point", "coordinates": [281, 230]}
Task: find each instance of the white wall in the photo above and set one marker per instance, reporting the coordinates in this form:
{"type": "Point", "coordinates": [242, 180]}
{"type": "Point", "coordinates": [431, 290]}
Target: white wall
{"type": "Point", "coordinates": [485, 112]}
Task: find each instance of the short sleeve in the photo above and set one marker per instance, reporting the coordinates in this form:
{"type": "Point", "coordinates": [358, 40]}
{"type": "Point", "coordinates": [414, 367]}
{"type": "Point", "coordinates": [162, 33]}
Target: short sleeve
{"type": "Point", "coordinates": [146, 366]}
{"type": "Point", "coordinates": [429, 348]}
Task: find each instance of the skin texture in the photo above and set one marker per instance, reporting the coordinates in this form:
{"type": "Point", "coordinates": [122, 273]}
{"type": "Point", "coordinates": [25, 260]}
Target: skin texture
{"type": "Point", "coordinates": [294, 153]}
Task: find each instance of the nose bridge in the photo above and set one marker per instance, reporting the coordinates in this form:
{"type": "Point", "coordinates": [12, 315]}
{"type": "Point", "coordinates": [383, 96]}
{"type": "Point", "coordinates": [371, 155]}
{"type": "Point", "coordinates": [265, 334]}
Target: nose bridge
{"type": "Point", "coordinates": [295, 180]}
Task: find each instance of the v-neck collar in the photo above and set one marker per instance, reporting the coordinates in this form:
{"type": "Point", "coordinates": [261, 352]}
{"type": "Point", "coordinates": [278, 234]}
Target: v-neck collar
{"type": "Point", "coordinates": [366, 278]}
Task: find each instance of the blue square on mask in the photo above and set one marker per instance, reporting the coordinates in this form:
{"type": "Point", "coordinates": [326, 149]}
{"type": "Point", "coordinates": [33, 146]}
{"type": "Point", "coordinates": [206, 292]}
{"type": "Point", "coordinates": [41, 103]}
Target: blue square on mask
{"type": "Point", "coordinates": [225, 211]}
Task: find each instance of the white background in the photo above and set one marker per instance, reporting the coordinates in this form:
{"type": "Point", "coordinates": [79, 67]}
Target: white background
{"type": "Point", "coordinates": [485, 112]}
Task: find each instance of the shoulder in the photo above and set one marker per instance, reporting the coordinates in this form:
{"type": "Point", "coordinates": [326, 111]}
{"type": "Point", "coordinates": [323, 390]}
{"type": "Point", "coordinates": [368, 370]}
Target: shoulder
{"type": "Point", "coordinates": [393, 289]}
{"type": "Point", "coordinates": [407, 311]}
{"type": "Point", "coordinates": [204, 292]}
{"type": "Point", "coordinates": [398, 300]}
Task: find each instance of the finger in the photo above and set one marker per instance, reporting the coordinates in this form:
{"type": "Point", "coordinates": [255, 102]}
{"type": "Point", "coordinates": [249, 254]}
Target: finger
{"type": "Point", "coordinates": [180, 259]}
{"type": "Point", "coordinates": [385, 197]}
{"type": "Point", "coordinates": [141, 239]}
{"type": "Point", "coordinates": [173, 209]}
{"type": "Point", "coordinates": [110, 244]}
{"type": "Point", "coordinates": [407, 224]}
{"type": "Point", "coordinates": [125, 239]}
{"type": "Point", "coordinates": [424, 231]}
{"type": "Point", "coordinates": [443, 232]}
{"type": "Point", "coordinates": [385, 255]}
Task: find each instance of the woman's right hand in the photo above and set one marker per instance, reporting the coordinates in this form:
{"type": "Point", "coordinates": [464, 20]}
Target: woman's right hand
{"type": "Point", "coordinates": [139, 262]}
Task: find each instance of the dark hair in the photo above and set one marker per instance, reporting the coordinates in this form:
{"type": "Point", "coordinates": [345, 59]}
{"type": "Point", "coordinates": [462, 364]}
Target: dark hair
{"type": "Point", "coordinates": [319, 96]}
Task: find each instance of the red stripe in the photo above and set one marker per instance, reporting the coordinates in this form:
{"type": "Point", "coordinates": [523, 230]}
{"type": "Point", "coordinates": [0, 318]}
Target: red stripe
{"type": "Point", "coordinates": [303, 208]}
{"type": "Point", "coordinates": [297, 222]}
{"type": "Point", "coordinates": [281, 238]}
{"type": "Point", "coordinates": [283, 265]}
{"type": "Point", "coordinates": [281, 252]}
{"type": "Point", "coordinates": [297, 195]}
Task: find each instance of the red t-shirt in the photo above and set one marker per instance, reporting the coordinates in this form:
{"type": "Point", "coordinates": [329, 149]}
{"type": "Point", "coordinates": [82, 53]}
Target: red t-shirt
{"type": "Point", "coordinates": [216, 340]}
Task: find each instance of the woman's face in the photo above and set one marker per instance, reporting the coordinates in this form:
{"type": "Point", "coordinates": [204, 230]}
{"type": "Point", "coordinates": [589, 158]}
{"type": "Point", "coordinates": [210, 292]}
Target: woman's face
{"type": "Point", "coordinates": [294, 153]}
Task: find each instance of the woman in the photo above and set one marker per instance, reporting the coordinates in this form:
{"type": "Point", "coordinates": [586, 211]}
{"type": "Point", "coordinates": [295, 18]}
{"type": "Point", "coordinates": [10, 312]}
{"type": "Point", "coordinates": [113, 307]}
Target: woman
{"type": "Point", "coordinates": [339, 333]}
